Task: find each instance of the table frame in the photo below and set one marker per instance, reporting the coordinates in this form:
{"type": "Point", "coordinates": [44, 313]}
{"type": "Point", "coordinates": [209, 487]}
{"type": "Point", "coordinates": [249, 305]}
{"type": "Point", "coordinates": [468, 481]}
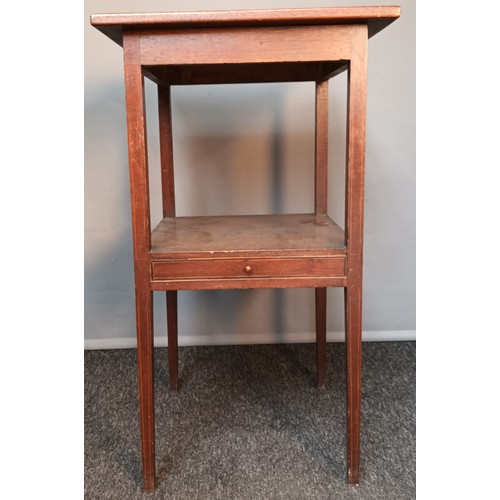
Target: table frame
{"type": "Point", "coordinates": [215, 50]}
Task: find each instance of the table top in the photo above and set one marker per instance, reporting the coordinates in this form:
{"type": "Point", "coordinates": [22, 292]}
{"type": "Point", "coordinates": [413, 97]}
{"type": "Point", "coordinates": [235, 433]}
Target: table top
{"type": "Point", "coordinates": [376, 17]}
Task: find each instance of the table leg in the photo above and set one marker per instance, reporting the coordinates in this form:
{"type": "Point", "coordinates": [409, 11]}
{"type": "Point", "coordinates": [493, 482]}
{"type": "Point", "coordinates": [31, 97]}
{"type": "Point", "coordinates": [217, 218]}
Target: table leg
{"type": "Point", "coordinates": [321, 335]}
{"type": "Point", "coordinates": [355, 174]}
{"type": "Point", "coordinates": [173, 358]}
{"type": "Point", "coordinates": [141, 234]}
{"type": "Point", "coordinates": [353, 365]}
{"type": "Point", "coordinates": [145, 360]}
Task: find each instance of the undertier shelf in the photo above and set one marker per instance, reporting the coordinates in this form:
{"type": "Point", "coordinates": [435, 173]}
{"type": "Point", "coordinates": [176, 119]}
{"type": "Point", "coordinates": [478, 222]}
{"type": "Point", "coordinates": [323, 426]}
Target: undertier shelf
{"type": "Point", "coordinates": [247, 235]}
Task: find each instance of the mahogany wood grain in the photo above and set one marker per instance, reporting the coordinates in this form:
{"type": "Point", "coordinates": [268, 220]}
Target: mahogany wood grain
{"type": "Point", "coordinates": [321, 208]}
{"type": "Point", "coordinates": [137, 149]}
{"type": "Point", "coordinates": [168, 202]}
{"type": "Point", "coordinates": [247, 236]}
{"type": "Point", "coordinates": [246, 283]}
{"type": "Point", "coordinates": [238, 45]}
{"type": "Point", "coordinates": [166, 151]}
{"type": "Point", "coordinates": [139, 193]}
{"type": "Point", "coordinates": [320, 298]}
{"type": "Point", "coordinates": [355, 172]}
{"type": "Point", "coordinates": [203, 74]}
{"type": "Point", "coordinates": [264, 251]}
{"type": "Point", "coordinates": [375, 17]}
{"type": "Point", "coordinates": [321, 149]}
{"type": "Point", "coordinates": [211, 252]}
{"type": "Point", "coordinates": [251, 268]}
{"type": "Point", "coordinates": [173, 356]}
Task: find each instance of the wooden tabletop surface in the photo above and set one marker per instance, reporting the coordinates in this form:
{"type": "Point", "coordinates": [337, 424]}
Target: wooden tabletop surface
{"type": "Point", "coordinates": [377, 18]}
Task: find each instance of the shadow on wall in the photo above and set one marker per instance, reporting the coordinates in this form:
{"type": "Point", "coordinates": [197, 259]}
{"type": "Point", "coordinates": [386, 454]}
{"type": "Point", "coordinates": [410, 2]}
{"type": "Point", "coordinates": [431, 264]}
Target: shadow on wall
{"type": "Point", "coordinates": [236, 150]}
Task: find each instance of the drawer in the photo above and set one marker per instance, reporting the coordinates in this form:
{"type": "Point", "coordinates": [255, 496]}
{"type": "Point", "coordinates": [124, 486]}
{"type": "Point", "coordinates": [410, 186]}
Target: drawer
{"type": "Point", "coordinates": [248, 268]}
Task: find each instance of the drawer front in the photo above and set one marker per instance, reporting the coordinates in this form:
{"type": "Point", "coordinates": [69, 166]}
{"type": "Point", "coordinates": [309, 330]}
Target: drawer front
{"type": "Point", "coordinates": [248, 268]}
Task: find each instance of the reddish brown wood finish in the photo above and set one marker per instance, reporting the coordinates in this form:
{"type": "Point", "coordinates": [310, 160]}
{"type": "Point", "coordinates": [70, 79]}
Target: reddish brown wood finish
{"type": "Point", "coordinates": [166, 151]}
{"type": "Point", "coordinates": [321, 149]}
{"type": "Point", "coordinates": [355, 174]}
{"type": "Point", "coordinates": [173, 357]}
{"type": "Point", "coordinates": [285, 251]}
{"type": "Point", "coordinates": [168, 202]}
{"type": "Point", "coordinates": [287, 235]}
{"type": "Point", "coordinates": [209, 274]}
{"type": "Point", "coordinates": [269, 267]}
{"type": "Point", "coordinates": [238, 45]}
{"type": "Point", "coordinates": [139, 194]}
{"type": "Point", "coordinates": [244, 73]}
{"type": "Point", "coordinates": [376, 18]}
{"type": "Point", "coordinates": [320, 297]}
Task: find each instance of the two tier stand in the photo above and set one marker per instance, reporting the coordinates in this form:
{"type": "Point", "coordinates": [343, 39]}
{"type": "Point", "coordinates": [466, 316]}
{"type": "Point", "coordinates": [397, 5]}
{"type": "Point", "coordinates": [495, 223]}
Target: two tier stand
{"type": "Point", "coordinates": [265, 251]}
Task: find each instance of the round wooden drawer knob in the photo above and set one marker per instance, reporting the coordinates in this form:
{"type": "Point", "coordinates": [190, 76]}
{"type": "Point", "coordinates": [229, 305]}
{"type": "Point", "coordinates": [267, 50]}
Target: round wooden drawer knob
{"type": "Point", "coordinates": [248, 269]}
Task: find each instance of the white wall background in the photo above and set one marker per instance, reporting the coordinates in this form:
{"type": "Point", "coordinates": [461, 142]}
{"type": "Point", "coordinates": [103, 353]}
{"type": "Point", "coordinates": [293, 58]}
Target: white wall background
{"type": "Point", "coordinates": [249, 149]}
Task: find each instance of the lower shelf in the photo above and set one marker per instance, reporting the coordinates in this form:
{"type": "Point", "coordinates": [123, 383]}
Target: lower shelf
{"type": "Point", "coordinates": [247, 235]}
{"type": "Point", "coordinates": [263, 251]}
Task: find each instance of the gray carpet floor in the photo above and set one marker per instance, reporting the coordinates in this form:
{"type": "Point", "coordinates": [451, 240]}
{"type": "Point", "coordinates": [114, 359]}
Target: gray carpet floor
{"type": "Point", "coordinates": [248, 423]}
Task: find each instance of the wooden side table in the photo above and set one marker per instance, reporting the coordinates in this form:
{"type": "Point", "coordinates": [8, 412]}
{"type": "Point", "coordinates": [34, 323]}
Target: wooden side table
{"type": "Point", "coordinates": [266, 251]}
